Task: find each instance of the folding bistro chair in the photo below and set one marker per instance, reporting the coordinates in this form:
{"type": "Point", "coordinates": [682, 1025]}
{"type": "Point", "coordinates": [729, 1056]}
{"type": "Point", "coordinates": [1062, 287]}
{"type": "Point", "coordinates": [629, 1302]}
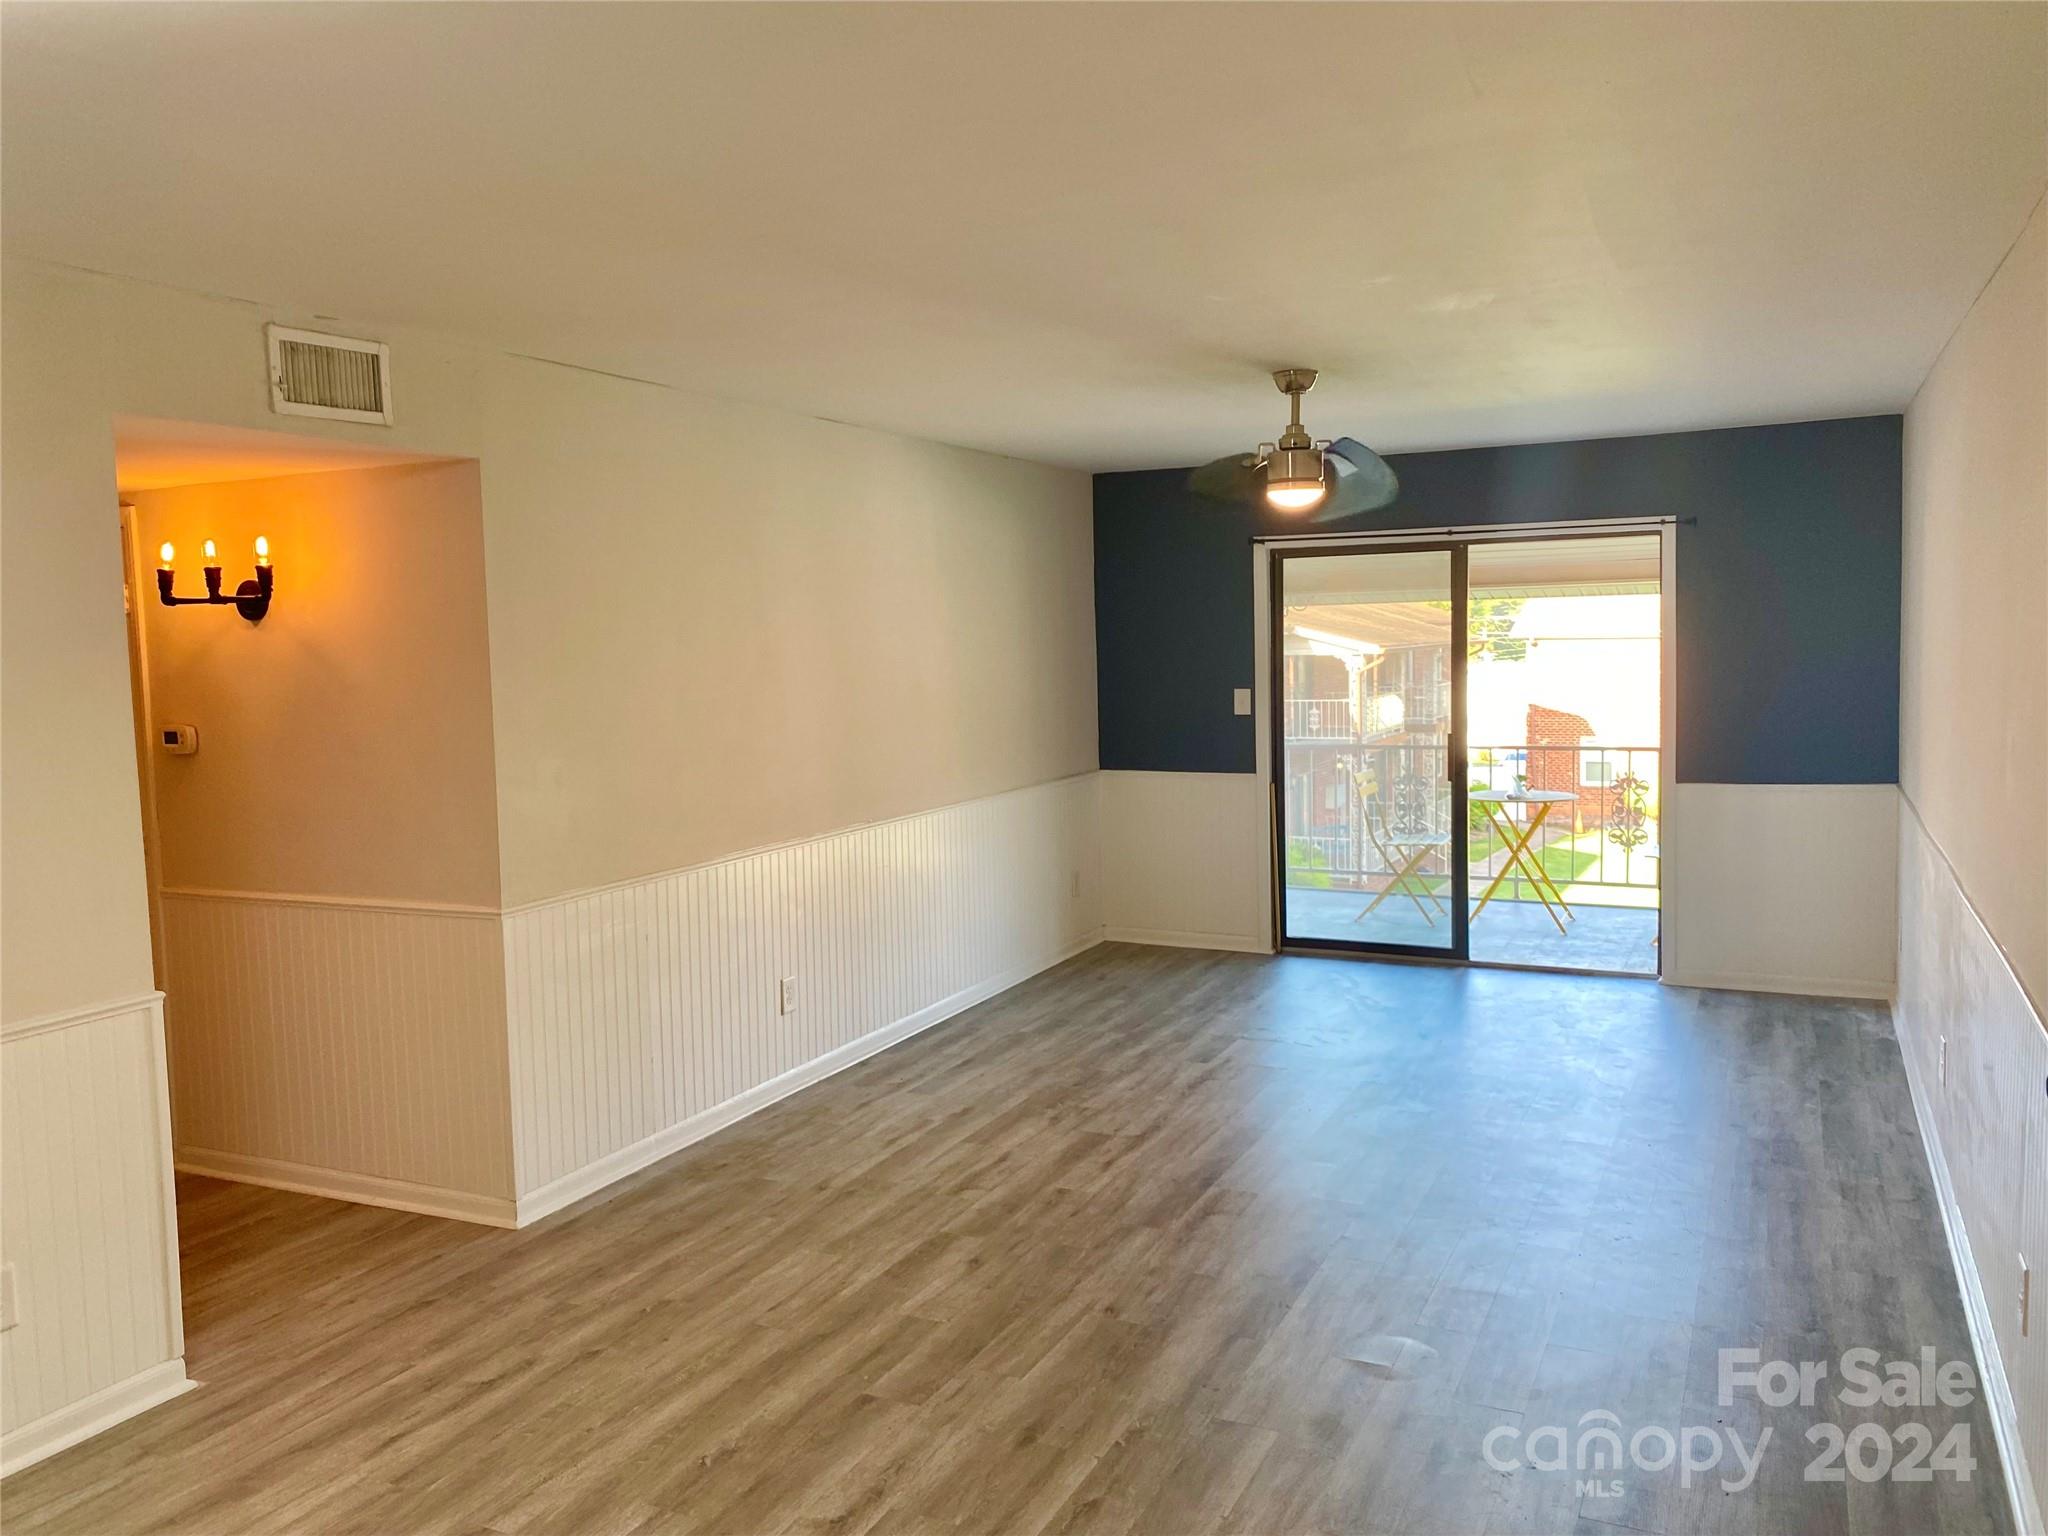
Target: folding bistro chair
{"type": "Point", "coordinates": [1402, 850]}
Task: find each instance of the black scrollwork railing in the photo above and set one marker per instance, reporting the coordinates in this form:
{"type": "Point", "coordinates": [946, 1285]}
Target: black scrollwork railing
{"type": "Point", "coordinates": [1355, 809]}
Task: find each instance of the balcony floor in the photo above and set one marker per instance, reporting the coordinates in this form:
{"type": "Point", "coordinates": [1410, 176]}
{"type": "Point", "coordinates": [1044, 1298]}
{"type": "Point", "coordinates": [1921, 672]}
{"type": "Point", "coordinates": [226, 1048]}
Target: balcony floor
{"type": "Point", "coordinates": [1506, 933]}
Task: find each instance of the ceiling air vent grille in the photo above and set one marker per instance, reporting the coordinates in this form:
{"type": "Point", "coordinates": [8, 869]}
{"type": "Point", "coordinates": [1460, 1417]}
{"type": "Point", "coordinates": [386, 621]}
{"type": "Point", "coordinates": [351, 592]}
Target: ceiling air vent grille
{"type": "Point", "coordinates": [333, 376]}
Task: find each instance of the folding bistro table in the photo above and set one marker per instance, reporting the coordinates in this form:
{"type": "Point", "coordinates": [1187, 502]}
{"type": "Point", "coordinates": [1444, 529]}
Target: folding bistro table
{"type": "Point", "coordinates": [1518, 836]}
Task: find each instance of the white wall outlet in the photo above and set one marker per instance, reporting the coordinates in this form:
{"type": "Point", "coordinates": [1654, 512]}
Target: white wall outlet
{"type": "Point", "coordinates": [1941, 1069]}
{"type": "Point", "coordinates": [1241, 700]}
{"type": "Point", "coordinates": [785, 995]}
{"type": "Point", "coordinates": [2026, 1296]}
{"type": "Point", "coordinates": [9, 1313]}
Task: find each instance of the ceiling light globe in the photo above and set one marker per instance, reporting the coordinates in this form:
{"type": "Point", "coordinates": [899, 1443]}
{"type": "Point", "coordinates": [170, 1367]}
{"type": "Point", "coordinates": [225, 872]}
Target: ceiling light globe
{"type": "Point", "coordinates": [1294, 495]}
{"type": "Point", "coordinates": [1294, 479]}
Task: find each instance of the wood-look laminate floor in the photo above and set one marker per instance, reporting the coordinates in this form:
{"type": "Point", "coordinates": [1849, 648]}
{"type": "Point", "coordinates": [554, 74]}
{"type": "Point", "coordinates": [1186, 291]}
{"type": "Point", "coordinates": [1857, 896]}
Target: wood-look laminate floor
{"type": "Point", "coordinates": [1159, 1241]}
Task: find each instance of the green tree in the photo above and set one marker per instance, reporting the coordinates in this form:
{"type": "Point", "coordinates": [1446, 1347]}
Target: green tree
{"type": "Point", "coordinates": [1488, 622]}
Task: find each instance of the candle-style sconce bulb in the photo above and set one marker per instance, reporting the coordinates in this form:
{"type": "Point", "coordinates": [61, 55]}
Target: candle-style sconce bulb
{"type": "Point", "coordinates": [251, 598]}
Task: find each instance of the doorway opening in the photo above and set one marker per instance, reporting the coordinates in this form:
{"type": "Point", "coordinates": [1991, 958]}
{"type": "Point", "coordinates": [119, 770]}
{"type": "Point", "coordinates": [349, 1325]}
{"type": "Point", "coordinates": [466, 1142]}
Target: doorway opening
{"type": "Point", "coordinates": [1468, 749]}
{"type": "Point", "coordinates": [319, 808]}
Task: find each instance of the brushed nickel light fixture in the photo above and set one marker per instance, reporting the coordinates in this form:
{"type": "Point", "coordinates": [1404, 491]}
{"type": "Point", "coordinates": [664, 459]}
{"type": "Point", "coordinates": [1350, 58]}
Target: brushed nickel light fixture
{"type": "Point", "coordinates": [1298, 473]}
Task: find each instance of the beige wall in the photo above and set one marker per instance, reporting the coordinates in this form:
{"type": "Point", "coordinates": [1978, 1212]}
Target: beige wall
{"type": "Point", "coordinates": [73, 910]}
{"type": "Point", "coordinates": [345, 742]}
{"type": "Point", "coordinates": [714, 629]}
{"type": "Point", "coordinates": [1973, 890]}
{"type": "Point", "coordinates": [1974, 734]}
{"type": "Point", "coordinates": [931, 638]}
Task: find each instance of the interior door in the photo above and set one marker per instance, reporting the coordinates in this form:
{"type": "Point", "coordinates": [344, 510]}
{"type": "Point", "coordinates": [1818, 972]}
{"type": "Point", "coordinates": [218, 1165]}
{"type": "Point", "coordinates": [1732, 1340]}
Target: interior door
{"type": "Point", "coordinates": [1369, 769]}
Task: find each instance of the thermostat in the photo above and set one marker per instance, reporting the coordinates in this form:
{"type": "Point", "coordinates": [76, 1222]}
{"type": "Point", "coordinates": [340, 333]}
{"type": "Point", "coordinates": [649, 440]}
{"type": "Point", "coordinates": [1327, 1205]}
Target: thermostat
{"type": "Point", "coordinates": [181, 740]}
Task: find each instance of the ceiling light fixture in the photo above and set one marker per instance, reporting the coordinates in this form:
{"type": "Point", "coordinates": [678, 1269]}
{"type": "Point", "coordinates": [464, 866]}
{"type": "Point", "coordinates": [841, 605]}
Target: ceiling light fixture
{"type": "Point", "coordinates": [1294, 465]}
{"type": "Point", "coordinates": [1298, 473]}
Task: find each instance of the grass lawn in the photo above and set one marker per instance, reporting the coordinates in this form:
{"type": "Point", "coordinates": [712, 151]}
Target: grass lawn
{"type": "Point", "coordinates": [1569, 859]}
{"type": "Point", "coordinates": [1582, 856]}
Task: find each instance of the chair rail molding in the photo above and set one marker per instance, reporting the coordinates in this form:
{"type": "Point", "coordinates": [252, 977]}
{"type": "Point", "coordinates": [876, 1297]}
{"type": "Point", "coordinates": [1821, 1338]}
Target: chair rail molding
{"type": "Point", "coordinates": [1984, 1125]}
{"type": "Point", "coordinates": [646, 1015]}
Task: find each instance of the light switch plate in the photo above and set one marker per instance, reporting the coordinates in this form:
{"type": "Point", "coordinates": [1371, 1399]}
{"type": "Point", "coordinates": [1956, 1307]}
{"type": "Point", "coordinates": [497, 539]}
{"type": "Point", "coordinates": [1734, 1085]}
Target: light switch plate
{"type": "Point", "coordinates": [1241, 700]}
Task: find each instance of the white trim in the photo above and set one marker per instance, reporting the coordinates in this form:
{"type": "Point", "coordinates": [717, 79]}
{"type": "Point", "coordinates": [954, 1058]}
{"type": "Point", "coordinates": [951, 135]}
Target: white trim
{"type": "Point", "coordinates": [43, 1024]}
{"type": "Point", "coordinates": [1237, 943]}
{"type": "Point", "coordinates": [630, 881]}
{"type": "Point", "coordinates": [592, 1177]}
{"type": "Point", "coordinates": [101, 1410]}
{"type": "Point", "coordinates": [358, 1188]}
{"type": "Point", "coordinates": [353, 903]}
{"type": "Point", "coordinates": [1667, 731]}
{"type": "Point", "coordinates": [167, 1183]}
{"type": "Point", "coordinates": [1262, 744]}
{"type": "Point", "coordinates": [1998, 1398]}
{"type": "Point", "coordinates": [1956, 879]}
{"type": "Point", "coordinates": [1791, 986]}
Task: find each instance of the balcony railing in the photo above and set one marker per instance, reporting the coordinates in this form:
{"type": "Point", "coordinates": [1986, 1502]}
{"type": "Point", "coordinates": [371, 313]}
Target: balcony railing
{"type": "Point", "coordinates": [1355, 811]}
{"type": "Point", "coordinates": [1342, 719]}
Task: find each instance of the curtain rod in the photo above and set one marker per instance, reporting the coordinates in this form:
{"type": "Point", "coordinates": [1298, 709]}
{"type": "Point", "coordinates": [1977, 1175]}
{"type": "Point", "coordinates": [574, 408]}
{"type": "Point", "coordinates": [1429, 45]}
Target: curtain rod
{"type": "Point", "coordinates": [1470, 533]}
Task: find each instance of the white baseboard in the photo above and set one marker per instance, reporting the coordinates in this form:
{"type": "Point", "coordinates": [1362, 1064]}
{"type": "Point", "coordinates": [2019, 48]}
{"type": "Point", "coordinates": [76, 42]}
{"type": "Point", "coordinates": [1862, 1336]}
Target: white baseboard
{"type": "Point", "coordinates": [58, 1431]}
{"type": "Point", "coordinates": [1238, 943]}
{"type": "Point", "coordinates": [2005, 1423]}
{"type": "Point", "coordinates": [592, 1177]}
{"type": "Point", "coordinates": [359, 1188]}
{"type": "Point", "coordinates": [1796, 986]}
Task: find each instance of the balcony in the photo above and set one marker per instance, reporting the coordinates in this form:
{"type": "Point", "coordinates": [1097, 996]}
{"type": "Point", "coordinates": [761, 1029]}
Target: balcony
{"type": "Point", "coordinates": [1369, 848]}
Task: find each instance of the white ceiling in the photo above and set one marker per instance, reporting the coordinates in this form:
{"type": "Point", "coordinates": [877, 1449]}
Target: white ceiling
{"type": "Point", "coordinates": [1077, 233]}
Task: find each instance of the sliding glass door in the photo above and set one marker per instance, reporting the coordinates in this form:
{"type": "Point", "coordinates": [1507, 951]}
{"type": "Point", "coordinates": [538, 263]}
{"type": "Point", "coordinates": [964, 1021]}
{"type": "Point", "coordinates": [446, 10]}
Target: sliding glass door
{"type": "Point", "coordinates": [1369, 768]}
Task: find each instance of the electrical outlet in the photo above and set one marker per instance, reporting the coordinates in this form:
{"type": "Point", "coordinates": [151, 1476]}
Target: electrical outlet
{"type": "Point", "coordinates": [9, 1313]}
{"type": "Point", "coordinates": [785, 995]}
{"type": "Point", "coordinates": [1941, 1071]}
{"type": "Point", "coordinates": [2026, 1296]}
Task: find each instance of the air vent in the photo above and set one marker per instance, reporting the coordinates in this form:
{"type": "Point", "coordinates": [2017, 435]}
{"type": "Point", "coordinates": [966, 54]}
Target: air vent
{"type": "Point", "coordinates": [337, 377]}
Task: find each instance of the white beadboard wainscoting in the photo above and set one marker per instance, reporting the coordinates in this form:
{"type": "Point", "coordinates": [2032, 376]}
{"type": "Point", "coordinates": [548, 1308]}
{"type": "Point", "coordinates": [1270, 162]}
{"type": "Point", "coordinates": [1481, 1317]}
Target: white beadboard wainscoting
{"type": "Point", "coordinates": [645, 1016]}
{"type": "Point", "coordinates": [1986, 1131]}
{"type": "Point", "coordinates": [88, 1225]}
{"type": "Point", "coordinates": [1186, 860]}
{"type": "Point", "coordinates": [344, 1048]}
{"type": "Point", "coordinates": [1781, 887]}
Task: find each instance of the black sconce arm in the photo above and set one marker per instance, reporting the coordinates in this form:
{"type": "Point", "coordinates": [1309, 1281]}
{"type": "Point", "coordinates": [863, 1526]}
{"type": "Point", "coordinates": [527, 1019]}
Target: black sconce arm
{"type": "Point", "coordinates": [251, 598]}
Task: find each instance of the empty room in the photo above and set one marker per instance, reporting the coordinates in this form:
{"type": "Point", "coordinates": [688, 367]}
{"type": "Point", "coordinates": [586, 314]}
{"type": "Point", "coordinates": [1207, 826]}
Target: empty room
{"type": "Point", "coordinates": [1174, 768]}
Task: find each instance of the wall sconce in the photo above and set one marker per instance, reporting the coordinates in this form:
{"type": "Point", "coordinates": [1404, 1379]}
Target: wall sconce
{"type": "Point", "coordinates": [251, 598]}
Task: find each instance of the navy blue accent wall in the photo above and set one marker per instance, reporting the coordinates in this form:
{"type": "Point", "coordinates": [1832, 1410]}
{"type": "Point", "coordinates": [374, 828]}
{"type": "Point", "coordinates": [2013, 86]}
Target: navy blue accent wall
{"type": "Point", "coordinates": [1788, 591]}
